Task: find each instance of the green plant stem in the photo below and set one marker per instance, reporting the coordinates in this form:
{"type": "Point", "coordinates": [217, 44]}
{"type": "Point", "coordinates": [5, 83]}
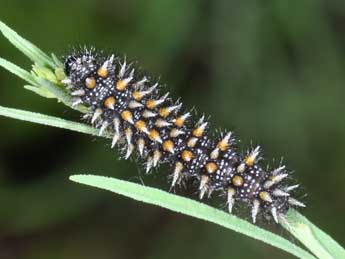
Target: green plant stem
{"type": "Point", "coordinates": [47, 120]}
{"type": "Point", "coordinates": [21, 73]}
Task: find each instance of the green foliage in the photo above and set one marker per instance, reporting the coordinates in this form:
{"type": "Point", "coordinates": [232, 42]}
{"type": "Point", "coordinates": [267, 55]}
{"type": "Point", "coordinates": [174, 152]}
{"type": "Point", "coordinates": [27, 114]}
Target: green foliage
{"type": "Point", "coordinates": [21, 73]}
{"type": "Point", "coordinates": [321, 244]}
{"type": "Point", "coordinates": [44, 80]}
{"type": "Point", "coordinates": [29, 49]}
{"type": "Point", "coordinates": [47, 120]}
{"type": "Point", "coordinates": [189, 207]}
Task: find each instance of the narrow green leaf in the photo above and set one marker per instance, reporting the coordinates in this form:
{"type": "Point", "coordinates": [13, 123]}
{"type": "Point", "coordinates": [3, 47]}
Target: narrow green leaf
{"type": "Point", "coordinates": [57, 61]}
{"type": "Point", "coordinates": [60, 73]}
{"type": "Point", "coordinates": [40, 91]}
{"type": "Point", "coordinates": [44, 72]}
{"type": "Point", "coordinates": [321, 244]}
{"type": "Point", "coordinates": [14, 69]}
{"type": "Point", "coordinates": [29, 49]}
{"type": "Point", "coordinates": [60, 94]}
{"type": "Point", "coordinates": [189, 207]}
{"type": "Point", "coordinates": [47, 120]}
{"type": "Point", "coordinates": [47, 87]}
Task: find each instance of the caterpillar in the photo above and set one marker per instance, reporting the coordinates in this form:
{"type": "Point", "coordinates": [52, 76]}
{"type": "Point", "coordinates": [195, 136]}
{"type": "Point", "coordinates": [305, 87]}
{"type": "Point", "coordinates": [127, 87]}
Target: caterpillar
{"type": "Point", "coordinates": [148, 124]}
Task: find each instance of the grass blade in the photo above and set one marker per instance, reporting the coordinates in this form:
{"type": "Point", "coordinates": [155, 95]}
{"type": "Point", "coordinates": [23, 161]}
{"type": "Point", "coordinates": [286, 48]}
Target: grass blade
{"type": "Point", "coordinates": [189, 207]}
{"type": "Point", "coordinates": [40, 91]}
{"type": "Point", "coordinates": [60, 94]}
{"type": "Point", "coordinates": [57, 61]}
{"type": "Point", "coordinates": [29, 49]}
{"type": "Point", "coordinates": [18, 71]}
{"type": "Point", "coordinates": [47, 120]}
{"type": "Point", "coordinates": [321, 244]}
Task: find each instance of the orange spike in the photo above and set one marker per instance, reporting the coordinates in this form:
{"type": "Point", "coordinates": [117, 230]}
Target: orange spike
{"type": "Point", "coordinates": [154, 135]}
{"type": "Point", "coordinates": [223, 145]}
{"type": "Point", "coordinates": [187, 155]}
{"type": "Point", "coordinates": [110, 102]}
{"type": "Point", "coordinates": [127, 116]}
{"type": "Point", "coordinates": [192, 142]}
{"type": "Point", "coordinates": [165, 111]}
{"type": "Point", "coordinates": [141, 126]}
{"type": "Point", "coordinates": [199, 131]}
{"type": "Point", "coordinates": [103, 70]}
{"type": "Point", "coordinates": [168, 146]}
{"type": "Point", "coordinates": [123, 83]}
{"type": "Point", "coordinates": [211, 167]}
{"type": "Point", "coordinates": [237, 180]}
{"type": "Point", "coordinates": [181, 120]}
{"type": "Point", "coordinates": [252, 157]}
{"type": "Point", "coordinates": [90, 82]}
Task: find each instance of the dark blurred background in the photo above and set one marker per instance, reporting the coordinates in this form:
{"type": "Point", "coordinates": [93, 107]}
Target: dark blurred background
{"type": "Point", "coordinates": [273, 71]}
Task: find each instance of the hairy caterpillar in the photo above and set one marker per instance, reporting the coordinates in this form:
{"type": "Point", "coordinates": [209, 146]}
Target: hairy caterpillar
{"type": "Point", "coordinates": [149, 124]}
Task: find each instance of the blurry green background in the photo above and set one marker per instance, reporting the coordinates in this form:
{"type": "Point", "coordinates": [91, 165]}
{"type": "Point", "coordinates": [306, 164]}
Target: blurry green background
{"type": "Point", "coordinates": [273, 71]}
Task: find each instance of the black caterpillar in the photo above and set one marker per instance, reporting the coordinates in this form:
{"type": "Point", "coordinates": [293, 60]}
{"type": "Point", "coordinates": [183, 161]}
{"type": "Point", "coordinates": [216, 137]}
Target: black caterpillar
{"type": "Point", "coordinates": [141, 120]}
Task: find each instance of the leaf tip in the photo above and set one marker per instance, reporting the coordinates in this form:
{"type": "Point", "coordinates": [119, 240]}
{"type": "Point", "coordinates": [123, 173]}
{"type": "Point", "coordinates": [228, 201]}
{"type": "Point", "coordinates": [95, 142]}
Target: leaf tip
{"type": "Point", "coordinates": [75, 178]}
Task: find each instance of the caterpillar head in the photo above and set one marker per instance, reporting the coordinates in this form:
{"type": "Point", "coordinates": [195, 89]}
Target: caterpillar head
{"type": "Point", "coordinates": [79, 66]}
{"type": "Point", "coordinates": [90, 79]}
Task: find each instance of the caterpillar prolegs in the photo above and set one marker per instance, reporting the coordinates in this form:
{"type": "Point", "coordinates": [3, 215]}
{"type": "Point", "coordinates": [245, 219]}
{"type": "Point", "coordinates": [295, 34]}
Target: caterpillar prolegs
{"type": "Point", "coordinates": [147, 123]}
